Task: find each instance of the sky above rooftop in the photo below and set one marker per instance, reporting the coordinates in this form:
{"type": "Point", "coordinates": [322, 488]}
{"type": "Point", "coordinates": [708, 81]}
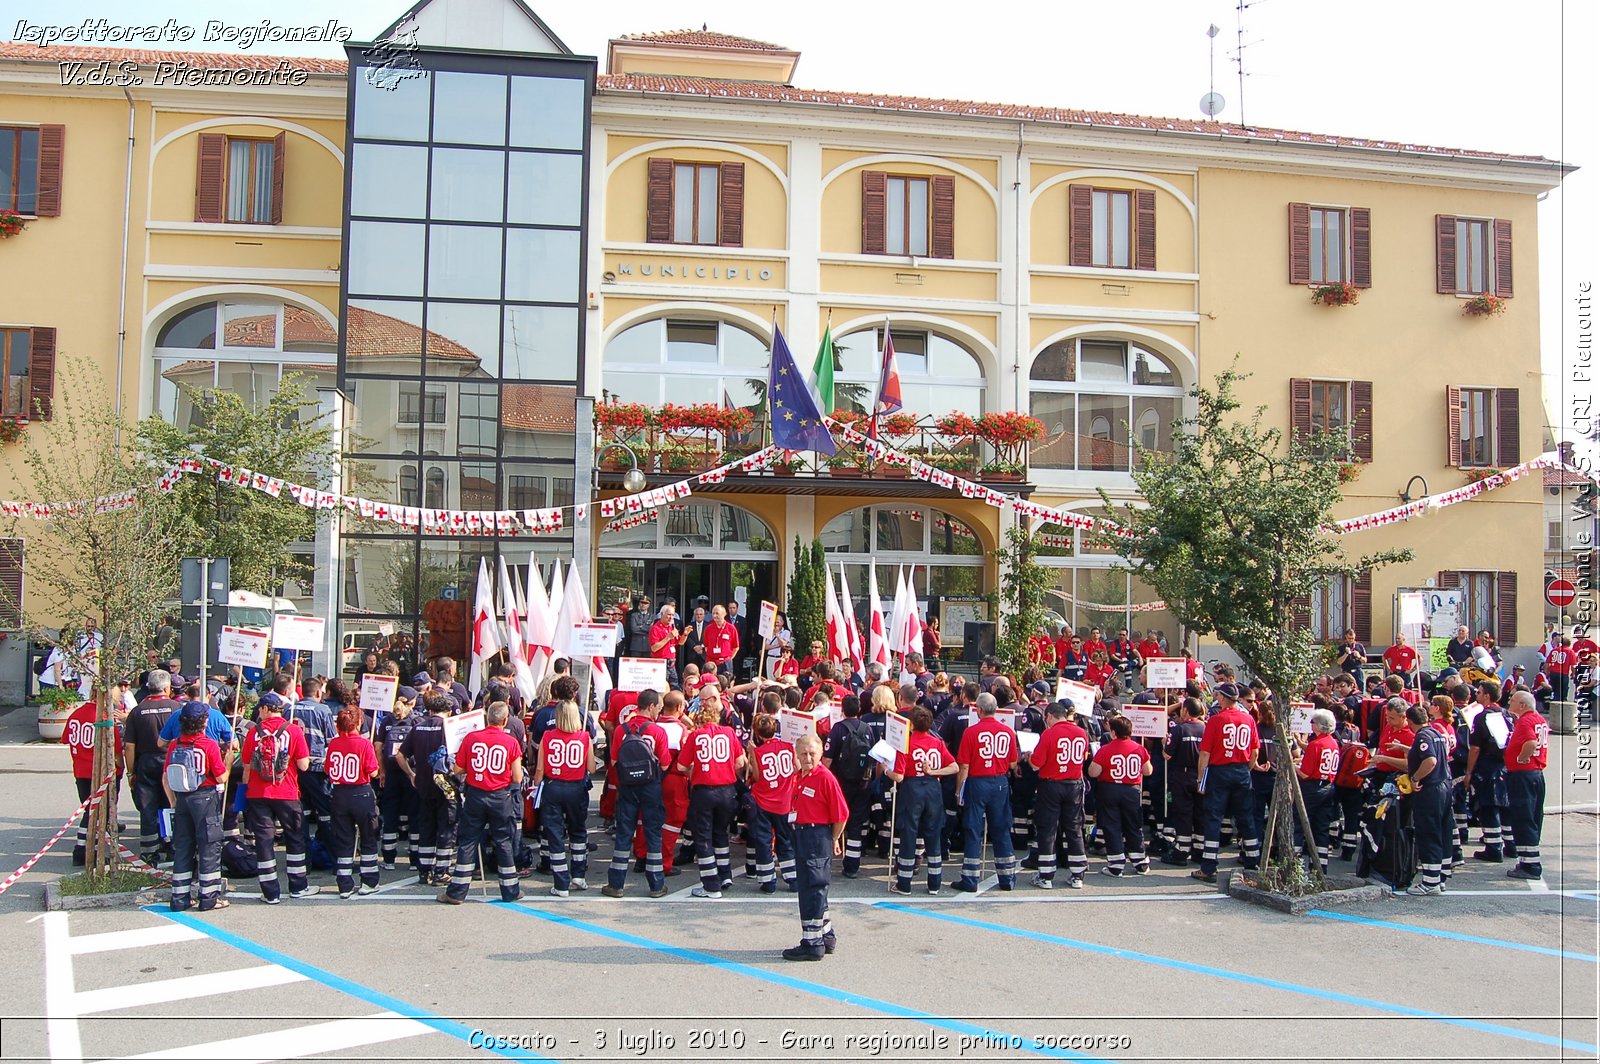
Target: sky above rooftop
{"type": "Point", "coordinates": [1473, 74]}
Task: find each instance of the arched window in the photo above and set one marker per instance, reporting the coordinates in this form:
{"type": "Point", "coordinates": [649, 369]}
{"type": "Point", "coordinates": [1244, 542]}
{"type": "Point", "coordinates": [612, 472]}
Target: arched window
{"type": "Point", "coordinates": [937, 374]}
{"type": "Point", "coordinates": [245, 346]}
{"type": "Point", "coordinates": [946, 551]}
{"type": "Point", "coordinates": [1098, 398]}
{"type": "Point", "coordinates": [1089, 588]}
{"type": "Point", "coordinates": [684, 361]}
{"type": "Point", "coordinates": [433, 494]}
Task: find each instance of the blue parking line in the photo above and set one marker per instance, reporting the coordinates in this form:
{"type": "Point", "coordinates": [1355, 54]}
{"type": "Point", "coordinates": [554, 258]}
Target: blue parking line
{"type": "Point", "coordinates": [888, 1008]}
{"type": "Point", "coordinates": [477, 1039]}
{"type": "Point", "coordinates": [1436, 933]}
{"type": "Point", "coordinates": [1242, 977]}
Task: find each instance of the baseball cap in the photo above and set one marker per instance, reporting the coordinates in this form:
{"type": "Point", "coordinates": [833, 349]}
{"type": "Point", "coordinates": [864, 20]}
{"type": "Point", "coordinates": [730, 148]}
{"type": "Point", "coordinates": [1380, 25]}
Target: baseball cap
{"type": "Point", "coordinates": [273, 698]}
{"type": "Point", "coordinates": [194, 711]}
{"type": "Point", "coordinates": [178, 682]}
{"type": "Point", "coordinates": [422, 679]}
{"type": "Point", "coordinates": [407, 693]}
{"type": "Point", "coordinates": [1039, 687]}
{"type": "Point", "coordinates": [1230, 690]}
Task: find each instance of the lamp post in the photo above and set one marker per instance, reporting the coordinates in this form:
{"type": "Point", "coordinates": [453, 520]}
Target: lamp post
{"type": "Point", "coordinates": [1405, 492]}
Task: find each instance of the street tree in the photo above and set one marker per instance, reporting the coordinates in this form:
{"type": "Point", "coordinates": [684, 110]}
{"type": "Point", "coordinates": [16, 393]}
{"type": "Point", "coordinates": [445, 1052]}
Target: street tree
{"type": "Point", "coordinates": [285, 437]}
{"type": "Point", "coordinates": [1233, 531]}
{"type": "Point", "coordinates": [101, 558]}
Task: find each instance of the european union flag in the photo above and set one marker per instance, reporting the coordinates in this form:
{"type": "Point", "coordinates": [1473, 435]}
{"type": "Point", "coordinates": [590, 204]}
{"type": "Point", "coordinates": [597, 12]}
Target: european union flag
{"type": "Point", "coordinates": [797, 423]}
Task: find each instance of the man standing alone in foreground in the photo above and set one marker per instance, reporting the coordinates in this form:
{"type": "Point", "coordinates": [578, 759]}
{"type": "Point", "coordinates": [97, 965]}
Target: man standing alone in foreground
{"type": "Point", "coordinates": [820, 813]}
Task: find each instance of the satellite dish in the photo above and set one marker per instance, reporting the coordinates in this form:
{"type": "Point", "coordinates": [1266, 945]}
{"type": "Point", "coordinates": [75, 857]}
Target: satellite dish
{"type": "Point", "coordinates": [1212, 103]}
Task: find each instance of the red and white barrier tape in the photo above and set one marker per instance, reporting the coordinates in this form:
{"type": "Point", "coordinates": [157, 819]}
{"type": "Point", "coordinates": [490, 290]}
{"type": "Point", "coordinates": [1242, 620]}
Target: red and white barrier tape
{"type": "Point", "coordinates": [72, 822]}
{"type": "Point", "coordinates": [133, 859]}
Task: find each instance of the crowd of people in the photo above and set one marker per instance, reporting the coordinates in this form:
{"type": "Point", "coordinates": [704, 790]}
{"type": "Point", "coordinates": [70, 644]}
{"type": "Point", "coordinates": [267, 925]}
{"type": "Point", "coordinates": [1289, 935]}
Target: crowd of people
{"type": "Point", "coordinates": [1395, 769]}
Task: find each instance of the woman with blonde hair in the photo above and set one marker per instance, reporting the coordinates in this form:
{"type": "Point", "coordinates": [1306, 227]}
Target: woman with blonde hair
{"type": "Point", "coordinates": [713, 758]}
{"type": "Point", "coordinates": [566, 758]}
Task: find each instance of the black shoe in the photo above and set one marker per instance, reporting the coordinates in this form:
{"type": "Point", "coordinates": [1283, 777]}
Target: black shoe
{"type": "Point", "coordinates": [966, 886]}
{"type": "Point", "coordinates": [638, 865]}
{"type": "Point", "coordinates": [1008, 883]}
{"type": "Point", "coordinates": [1031, 863]}
{"type": "Point", "coordinates": [1204, 877]}
{"type": "Point", "coordinates": [1488, 855]}
{"type": "Point", "coordinates": [849, 874]}
{"type": "Point", "coordinates": [830, 941]}
{"type": "Point", "coordinates": [675, 872]}
{"type": "Point", "coordinates": [1347, 854]}
{"type": "Point", "coordinates": [769, 888]}
{"type": "Point", "coordinates": [1520, 872]}
{"type": "Point", "coordinates": [1177, 860]}
{"type": "Point", "coordinates": [804, 952]}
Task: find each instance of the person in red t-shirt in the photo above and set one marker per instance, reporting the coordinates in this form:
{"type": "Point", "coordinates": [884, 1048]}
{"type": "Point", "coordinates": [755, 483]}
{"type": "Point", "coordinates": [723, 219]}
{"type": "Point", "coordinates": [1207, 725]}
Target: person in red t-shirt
{"type": "Point", "coordinates": [1400, 659]}
{"type": "Point", "coordinates": [713, 759]}
{"type": "Point", "coordinates": [1058, 798]}
{"type": "Point", "coordinates": [640, 813]}
{"type": "Point", "coordinates": [987, 752]}
{"type": "Point", "coordinates": [1527, 751]}
{"type": "Point", "coordinates": [810, 661]}
{"type": "Point", "coordinates": [820, 813]}
{"type": "Point", "coordinates": [1041, 649]}
{"type": "Point", "coordinates": [772, 791]}
{"type": "Point", "coordinates": [490, 759]}
{"type": "Point", "coordinates": [274, 754]}
{"type": "Point", "coordinates": [352, 764]}
{"type": "Point", "coordinates": [1559, 662]}
{"type": "Point", "coordinates": [196, 812]}
{"type": "Point", "coordinates": [1100, 670]}
{"type": "Point", "coordinates": [77, 735]}
{"type": "Point", "coordinates": [1227, 750]}
{"type": "Point", "coordinates": [1148, 646]}
{"type": "Point", "coordinates": [566, 758]}
{"type": "Point", "coordinates": [721, 642]}
{"type": "Point", "coordinates": [1094, 643]}
{"type": "Point", "coordinates": [786, 668]}
{"type": "Point", "coordinates": [1120, 767]}
{"type": "Point", "coordinates": [919, 802]}
{"type": "Point", "coordinates": [1319, 768]}
{"type": "Point", "coordinates": [1394, 738]}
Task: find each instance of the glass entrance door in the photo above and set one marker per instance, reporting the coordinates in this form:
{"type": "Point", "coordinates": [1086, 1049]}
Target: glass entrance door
{"type": "Point", "coordinates": [684, 581]}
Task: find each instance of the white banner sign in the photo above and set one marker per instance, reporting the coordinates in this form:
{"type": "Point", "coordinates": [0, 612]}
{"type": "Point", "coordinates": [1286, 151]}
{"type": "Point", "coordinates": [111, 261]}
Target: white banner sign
{"type": "Point", "coordinates": [768, 623]}
{"type": "Point", "coordinates": [897, 732]}
{"type": "Point", "coordinates": [459, 727]}
{"type": "Point", "coordinates": [377, 693]}
{"type": "Point", "coordinates": [1166, 674]}
{"type": "Point", "coordinates": [242, 646]}
{"type": "Point", "coordinates": [1300, 718]}
{"type": "Point", "coordinates": [592, 641]}
{"type": "Point", "coordinates": [1082, 696]}
{"type": "Point", "coordinates": [1147, 723]}
{"type": "Point", "coordinates": [642, 674]}
{"type": "Point", "coordinates": [793, 723]}
{"type": "Point", "coordinates": [299, 633]}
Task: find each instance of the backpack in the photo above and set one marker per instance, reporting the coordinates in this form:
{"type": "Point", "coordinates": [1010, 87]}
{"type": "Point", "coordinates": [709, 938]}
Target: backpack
{"type": "Point", "coordinates": [185, 769]}
{"type": "Point", "coordinates": [853, 762]}
{"type": "Point", "coordinates": [238, 860]}
{"type": "Point", "coordinates": [270, 759]}
{"type": "Point", "coordinates": [636, 758]}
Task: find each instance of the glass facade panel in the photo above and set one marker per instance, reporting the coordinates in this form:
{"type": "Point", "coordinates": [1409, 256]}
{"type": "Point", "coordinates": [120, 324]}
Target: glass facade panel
{"type": "Point", "coordinates": [385, 259]}
{"type": "Point", "coordinates": [463, 339]}
{"type": "Point", "coordinates": [547, 112]}
{"type": "Point", "coordinates": [545, 189]}
{"type": "Point", "coordinates": [469, 108]}
{"type": "Point", "coordinates": [249, 325]}
{"type": "Point", "coordinates": [539, 421]}
{"type": "Point", "coordinates": [389, 181]}
{"type": "Point", "coordinates": [376, 419]}
{"type": "Point", "coordinates": [468, 186]}
{"type": "Point", "coordinates": [541, 343]}
{"type": "Point", "coordinates": [396, 108]}
{"type": "Point", "coordinates": [542, 266]}
{"type": "Point", "coordinates": [900, 528]}
{"type": "Point", "coordinates": [464, 261]}
{"type": "Point", "coordinates": [383, 336]}
{"type": "Point", "coordinates": [1059, 448]}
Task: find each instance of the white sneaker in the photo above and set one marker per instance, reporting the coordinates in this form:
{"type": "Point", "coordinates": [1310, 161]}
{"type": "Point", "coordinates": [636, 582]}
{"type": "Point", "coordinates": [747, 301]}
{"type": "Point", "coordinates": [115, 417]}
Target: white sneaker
{"type": "Point", "coordinates": [347, 894]}
{"type": "Point", "coordinates": [270, 901]}
{"type": "Point", "coordinates": [1075, 883]}
{"type": "Point", "coordinates": [702, 892]}
{"type": "Point", "coordinates": [363, 889]}
{"type": "Point", "coordinates": [1423, 890]}
{"type": "Point", "coordinates": [308, 891]}
{"type": "Point", "coordinates": [1042, 883]}
{"type": "Point", "coordinates": [579, 884]}
{"type": "Point", "coordinates": [557, 892]}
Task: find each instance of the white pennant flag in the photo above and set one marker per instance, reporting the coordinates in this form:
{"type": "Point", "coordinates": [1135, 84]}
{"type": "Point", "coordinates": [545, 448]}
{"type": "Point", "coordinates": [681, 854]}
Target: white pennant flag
{"type": "Point", "coordinates": [485, 634]}
{"type": "Point", "coordinates": [526, 686]}
{"type": "Point", "coordinates": [538, 624]}
{"type": "Point", "coordinates": [897, 612]}
{"type": "Point", "coordinates": [852, 628]}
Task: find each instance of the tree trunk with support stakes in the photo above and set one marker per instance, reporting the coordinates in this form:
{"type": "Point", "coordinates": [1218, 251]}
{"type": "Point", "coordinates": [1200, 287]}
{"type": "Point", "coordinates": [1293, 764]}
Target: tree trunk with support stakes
{"type": "Point", "coordinates": [1288, 807]}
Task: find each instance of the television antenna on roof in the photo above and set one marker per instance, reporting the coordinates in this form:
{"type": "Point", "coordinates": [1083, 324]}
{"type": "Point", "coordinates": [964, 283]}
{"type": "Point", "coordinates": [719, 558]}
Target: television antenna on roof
{"type": "Point", "coordinates": [1212, 102]}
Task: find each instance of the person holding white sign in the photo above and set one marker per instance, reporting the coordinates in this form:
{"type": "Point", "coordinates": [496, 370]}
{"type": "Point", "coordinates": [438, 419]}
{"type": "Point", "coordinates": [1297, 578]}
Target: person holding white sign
{"type": "Point", "coordinates": [1058, 803]}
{"type": "Point", "coordinates": [490, 761]}
{"type": "Point", "coordinates": [919, 802]}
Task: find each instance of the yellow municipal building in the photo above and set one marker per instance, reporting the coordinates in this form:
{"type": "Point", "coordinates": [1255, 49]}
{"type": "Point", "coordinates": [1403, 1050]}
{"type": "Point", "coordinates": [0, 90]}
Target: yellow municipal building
{"type": "Point", "coordinates": [466, 237]}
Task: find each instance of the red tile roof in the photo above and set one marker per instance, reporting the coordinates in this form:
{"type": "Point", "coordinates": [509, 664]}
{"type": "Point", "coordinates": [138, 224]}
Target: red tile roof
{"type": "Point", "coordinates": [374, 335]}
{"type": "Point", "coordinates": [1564, 478]}
{"type": "Point", "coordinates": [714, 88]}
{"type": "Point", "coordinates": [539, 407]}
{"type": "Point", "coordinates": [205, 60]}
{"type": "Point", "coordinates": [703, 38]}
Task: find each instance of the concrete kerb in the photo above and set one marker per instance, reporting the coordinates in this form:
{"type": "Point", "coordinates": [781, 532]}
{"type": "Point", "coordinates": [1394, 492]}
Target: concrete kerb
{"type": "Point", "coordinates": [56, 901]}
{"type": "Point", "coordinates": [1343, 890]}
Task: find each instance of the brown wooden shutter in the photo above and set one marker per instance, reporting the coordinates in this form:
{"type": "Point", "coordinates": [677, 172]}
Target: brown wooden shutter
{"type": "Point", "coordinates": [1505, 589]}
{"type": "Point", "coordinates": [1507, 427]}
{"type": "Point", "coordinates": [42, 374]}
{"type": "Point", "coordinates": [211, 178]}
{"type": "Point", "coordinates": [1361, 420]}
{"type": "Point", "coordinates": [1144, 230]}
{"type": "Point", "coordinates": [1448, 579]}
{"type": "Point", "coordinates": [874, 211]}
{"type": "Point", "coordinates": [1080, 215]}
{"type": "Point", "coordinates": [1502, 257]}
{"type": "Point", "coordinates": [1300, 408]}
{"type": "Point", "coordinates": [942, 233]}
{"type": "Point", "coordinates": [1299, 243]}
{"type": "Point", "coordinates": [1444, 244]}
{"type": "Point", "coordinates": [658, 202]}
{"type": "Point", "coordinates": [1361, 247]}
{"type": "Point", "coordinates": [10, 584]}
{"type": "Point", "coordinates": [277, 177]}
{"type": "Point", "coordinates": [1361, 606]}
{"type": "Point", "coordinates": [1452, 424]}
{"type": "Point", "coordinates": [52, 141]}
{"type": "Point", "coordinates": [1300, 612]}
{"type": "Point", "coordinates": [730, 205]}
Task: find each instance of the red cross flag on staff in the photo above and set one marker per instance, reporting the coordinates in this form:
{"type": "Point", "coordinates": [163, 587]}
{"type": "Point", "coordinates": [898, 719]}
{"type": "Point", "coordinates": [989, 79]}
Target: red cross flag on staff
{"type": "Point", "coordinates": [889, 398]}
{"type": "Point", "coordinates": [851, 628]}
{"type": "Point", "coordinates": [485, 629]}
{"type": "Point", "coordinates": [877, 636]}
{"type": "Point", "coordinates": [838, 628]}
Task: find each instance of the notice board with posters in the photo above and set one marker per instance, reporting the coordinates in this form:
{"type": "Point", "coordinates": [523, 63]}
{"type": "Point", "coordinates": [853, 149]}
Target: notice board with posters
{"type": "Point", "coordinates": [954, 613]}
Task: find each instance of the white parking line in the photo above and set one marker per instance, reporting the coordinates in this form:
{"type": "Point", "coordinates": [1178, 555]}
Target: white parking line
{"type": "Point", "coordinates": [137, 938]}
{"type": "Point", "coordinates": [190, 986]}
{"type": "Point", "coordinates": [61, 1022]}
{"type": "Point", "coordinates": [294, 1042]}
